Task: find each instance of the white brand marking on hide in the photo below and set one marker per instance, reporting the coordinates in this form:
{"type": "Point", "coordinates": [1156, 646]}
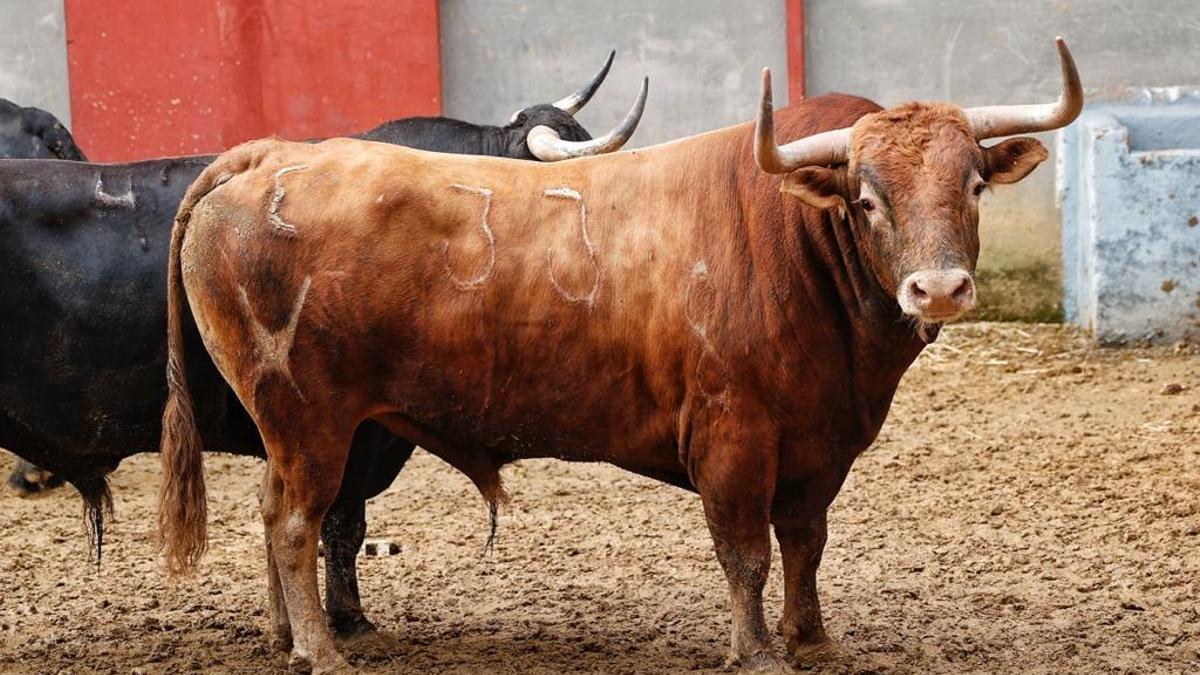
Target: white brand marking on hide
{"type": "Point", "coordinates": [699, 278]}
{"type": "Point", "coordinates": [277, 200]}
{"type": "Point", "coordinates": [590, 298]}
{"type": "Point", "coordinates": [274, 348]}
{"type": "Point", "coordinates": [105, 199]}
{"type": "Point", "coordinates": [482, 278]}
{"type": "Point", "coordinates": [699, 274]}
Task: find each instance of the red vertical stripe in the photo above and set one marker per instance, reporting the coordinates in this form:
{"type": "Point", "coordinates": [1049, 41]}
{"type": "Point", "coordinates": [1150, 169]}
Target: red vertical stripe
{"type": "Point", "coordinates": [168, 77]}
{"type": "Point", "coordinates": [795, 50]}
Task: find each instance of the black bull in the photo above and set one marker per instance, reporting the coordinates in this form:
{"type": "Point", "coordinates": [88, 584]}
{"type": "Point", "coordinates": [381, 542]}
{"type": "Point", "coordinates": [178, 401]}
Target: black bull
{"type": "Point", "coordinates": [83, 268]}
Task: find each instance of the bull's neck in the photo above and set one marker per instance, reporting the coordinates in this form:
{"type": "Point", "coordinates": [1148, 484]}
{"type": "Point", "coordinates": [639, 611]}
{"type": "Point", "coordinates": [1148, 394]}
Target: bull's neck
{"type": "Point", "coordinates": [493, 141]}
{"type": "Point", "coordinates": [820, 305]}
{"type": "Point", "coordinates": [814, 294]}
{"type": "Point", "coordinates": [824, 291]}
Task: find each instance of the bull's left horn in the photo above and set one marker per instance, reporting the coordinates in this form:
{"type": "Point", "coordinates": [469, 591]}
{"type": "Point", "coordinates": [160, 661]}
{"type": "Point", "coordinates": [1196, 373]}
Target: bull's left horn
{"type": "Point", "coordinates": [548, 146]}
{"type": "Point", "coordinates": [827, 147]}
{"type": "Point", "coordinates": [1008, 120]}
{"type": "Point", "coordinates": [575, 102]}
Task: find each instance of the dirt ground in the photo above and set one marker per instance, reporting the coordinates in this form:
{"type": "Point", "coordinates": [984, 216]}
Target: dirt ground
{"type": "Point", "coordinates": [1033, 504]}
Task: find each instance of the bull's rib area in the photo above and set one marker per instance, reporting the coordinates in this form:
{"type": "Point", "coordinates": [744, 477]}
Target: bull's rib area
{"type": "Point", "coordinates": [277, 200]}
{"type": "Point", "coordinates": [105, 198]}
{"type": "Point", "coordinates": [273, 348]}
{"type": "Point", "coordinates": [698, 279]}
{"type": "Point", "coordinates": [588, 298]}
{"type": "Point", "coordinates": [481, 279]}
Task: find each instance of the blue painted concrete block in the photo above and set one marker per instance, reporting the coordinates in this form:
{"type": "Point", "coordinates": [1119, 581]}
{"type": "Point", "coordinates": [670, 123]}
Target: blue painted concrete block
{"type": "Point", "coordinates": [1129, 188]}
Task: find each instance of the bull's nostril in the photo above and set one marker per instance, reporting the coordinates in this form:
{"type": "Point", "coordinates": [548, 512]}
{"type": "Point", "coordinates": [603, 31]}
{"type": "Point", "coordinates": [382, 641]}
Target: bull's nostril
{"type": "Point", "coordinates": [917, 291]}
{"type": "Point", "coordinates": [964, 291]}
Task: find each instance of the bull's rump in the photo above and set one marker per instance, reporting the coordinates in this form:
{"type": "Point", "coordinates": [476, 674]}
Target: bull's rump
{"type": "Point", "coordinates": [494, 303]}
{"type": "Point", "coordinates": [83, 252]}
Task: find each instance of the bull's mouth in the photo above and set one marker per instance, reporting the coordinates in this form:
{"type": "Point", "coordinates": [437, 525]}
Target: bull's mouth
{"type": "Point", "coordinates": [947, 317]}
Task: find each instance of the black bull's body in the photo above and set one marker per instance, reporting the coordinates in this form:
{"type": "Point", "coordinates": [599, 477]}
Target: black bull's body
{"type": "Point", "coordinates": [83, 267]}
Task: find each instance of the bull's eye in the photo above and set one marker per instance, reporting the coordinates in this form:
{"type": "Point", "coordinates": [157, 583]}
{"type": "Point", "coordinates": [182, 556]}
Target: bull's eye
{"type": "Point", "coordinates": [866, 204]}
{"type": "Point", "coordinates": [979, 189]}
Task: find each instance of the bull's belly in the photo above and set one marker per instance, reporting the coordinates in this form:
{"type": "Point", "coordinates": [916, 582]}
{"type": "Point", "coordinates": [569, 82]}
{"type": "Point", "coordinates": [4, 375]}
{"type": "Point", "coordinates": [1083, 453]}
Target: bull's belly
{"type": "Point", "coordinates": [595, 419]}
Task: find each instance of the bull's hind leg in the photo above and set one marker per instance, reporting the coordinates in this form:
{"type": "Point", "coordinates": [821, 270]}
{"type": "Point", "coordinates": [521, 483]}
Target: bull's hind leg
{"type": "Point", "coordinates": [343, 532]}
{"type": "Point", "coordinates": [305, 470]}
{"type": "Point", "coordinates": [376, 458]}
{"type": "Point", "coordinates": [281, 627]}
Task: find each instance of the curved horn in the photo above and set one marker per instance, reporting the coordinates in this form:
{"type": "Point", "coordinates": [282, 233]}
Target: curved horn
{"type": "Point", "coordinates": [575, 102]}
{"type": "Point", "coordinates": [546, 145]}
{"type": "Point", "coordinates": [827, 147]}
{"type": "Point", "coordinates": [1007, 120]}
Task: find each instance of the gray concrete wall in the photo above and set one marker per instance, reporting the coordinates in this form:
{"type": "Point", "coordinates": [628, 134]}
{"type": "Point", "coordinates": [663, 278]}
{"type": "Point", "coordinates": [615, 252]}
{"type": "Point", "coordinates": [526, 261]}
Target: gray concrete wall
{"type": "Point", "coordinates": [976, 52]}
{"type": "Point", "coordinates": [1130, 190]}
{"type": "Point", "coordinates": [703, 58]}
{"type": "Point", "coordinates": [33, 55]}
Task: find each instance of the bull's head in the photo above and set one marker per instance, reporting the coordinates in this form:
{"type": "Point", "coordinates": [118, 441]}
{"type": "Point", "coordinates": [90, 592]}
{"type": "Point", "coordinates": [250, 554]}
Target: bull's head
{"type": "Point", "coordinates": [910, 178]}
{"type": "Point", "coordinates": [550, 132]}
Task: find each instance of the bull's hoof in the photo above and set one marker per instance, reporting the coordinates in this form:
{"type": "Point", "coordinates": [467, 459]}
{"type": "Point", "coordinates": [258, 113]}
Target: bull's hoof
{"type": "Point", "coordinates": [298, 664]}
{"type": "Point", "coordinates": [28, 483]}
{"type": "Point", "coordinates": [813, 653]}
{"type": "Point", "coordinates": [808, 646]}
{"type": "Point", "coordinates": [281, 640]}
{"type": "Point", "coordinates": [335, 665]}
{"type": "Point", "coordinates": [760, 662]}
{"type": "Point", "coordinates": [373, 647]}
{"type": "Point", "coordinates": [350, 625]}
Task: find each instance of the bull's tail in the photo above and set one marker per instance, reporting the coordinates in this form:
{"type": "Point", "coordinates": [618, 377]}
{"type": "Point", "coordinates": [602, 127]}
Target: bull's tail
{"type": "Point", "coordinates": [183, 508]}
{"type": "Point", "coordinates": [182, 505]}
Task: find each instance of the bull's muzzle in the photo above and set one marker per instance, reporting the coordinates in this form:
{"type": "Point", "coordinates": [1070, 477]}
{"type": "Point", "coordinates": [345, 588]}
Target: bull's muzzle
{"type": "Point", "coordinates": [937, 296]}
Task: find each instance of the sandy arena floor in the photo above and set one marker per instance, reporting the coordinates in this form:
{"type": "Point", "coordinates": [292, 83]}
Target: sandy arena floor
{"type": "Point", "coordinates": [1033, 505]}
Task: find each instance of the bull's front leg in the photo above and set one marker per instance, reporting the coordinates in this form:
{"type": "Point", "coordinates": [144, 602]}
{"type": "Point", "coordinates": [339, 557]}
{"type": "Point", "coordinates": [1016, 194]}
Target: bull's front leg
{"type": "Point", "coordinates": [736, 485]}
{"type": "Point", "coordinates": [802, 542]}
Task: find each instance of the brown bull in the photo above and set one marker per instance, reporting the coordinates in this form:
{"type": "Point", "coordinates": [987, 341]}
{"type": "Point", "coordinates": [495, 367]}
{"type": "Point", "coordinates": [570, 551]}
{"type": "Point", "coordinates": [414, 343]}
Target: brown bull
{"type": "Point", "coordinates": [665, 310]}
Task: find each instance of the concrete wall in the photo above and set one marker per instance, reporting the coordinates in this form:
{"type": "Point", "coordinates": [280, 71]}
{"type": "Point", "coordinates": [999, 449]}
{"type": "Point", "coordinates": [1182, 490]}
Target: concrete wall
{"type": "Point", "coordinates": [703, 58]}
{"type": "Point", "coordinates": [33, 55]}
{"type": "Point", "coordinates": [977, 52]}
{"type": "Point", "coordinates": [1130, 186]}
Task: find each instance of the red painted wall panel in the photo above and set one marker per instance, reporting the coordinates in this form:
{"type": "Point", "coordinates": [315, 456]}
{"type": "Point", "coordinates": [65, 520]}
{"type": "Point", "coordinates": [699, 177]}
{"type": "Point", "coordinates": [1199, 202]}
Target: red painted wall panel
{"type": "Point", "coordinates": [152, 78]}
{"type": "Point", "coordinates": [795, 50]}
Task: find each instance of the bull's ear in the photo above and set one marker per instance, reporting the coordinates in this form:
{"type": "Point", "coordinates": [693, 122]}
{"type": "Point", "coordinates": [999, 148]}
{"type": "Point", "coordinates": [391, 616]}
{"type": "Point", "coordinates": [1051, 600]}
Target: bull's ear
{"type": "Point", "coordinates": [1012, 160]}
{"type": "Point", "coordinates": [817, 186]}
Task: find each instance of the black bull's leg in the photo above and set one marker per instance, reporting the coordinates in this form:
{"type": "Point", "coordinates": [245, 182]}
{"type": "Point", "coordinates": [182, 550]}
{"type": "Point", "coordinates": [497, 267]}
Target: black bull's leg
{"type": "Point", "coordinates": [376, 457]}
{"type": "Point", "coordinates": [28, 478]}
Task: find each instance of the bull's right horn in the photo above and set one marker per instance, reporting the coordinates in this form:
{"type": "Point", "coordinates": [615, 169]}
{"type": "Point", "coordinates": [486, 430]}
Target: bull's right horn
{"type": "Point", "coordinates": [827, 147]}
{"type": "Point", "coordinates": [575, 102]}
{"type": "Point", "coordinates": [545, 143]}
